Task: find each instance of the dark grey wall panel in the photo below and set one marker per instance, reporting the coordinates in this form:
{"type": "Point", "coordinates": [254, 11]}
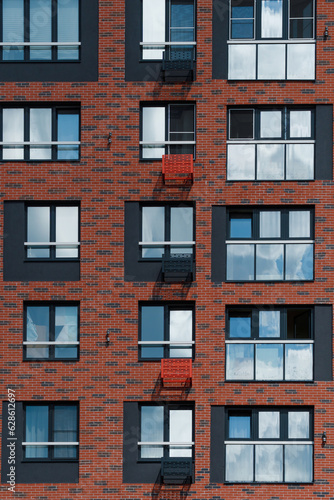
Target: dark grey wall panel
{"type": "Point", "coordinates": [323, 346]}
{"type": "Point", "coordinates": [220, 18]}
{"type": "Point", "coordinates": [324, 142]}
{"type": "Point", "coordinates": [217, 457]}
{"type": "Point", "coordinates": [218, 247]}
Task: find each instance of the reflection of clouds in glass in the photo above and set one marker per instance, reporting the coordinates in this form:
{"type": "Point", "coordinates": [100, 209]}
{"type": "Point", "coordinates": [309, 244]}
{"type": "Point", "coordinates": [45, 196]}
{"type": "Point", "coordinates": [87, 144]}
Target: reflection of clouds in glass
{"type": "Point", "coordinates": [271, 21]}
{"type": "Point", "coordinates": [270, 161]}
{"type": "Point", "coordinates": [240, 262]}
{"type": "Point", "coordinates": [298, 463]}
{"type": "Point", "coordinates": [269, 262]}
{"type": "Point", "coordinates": [241, 62]}
{"type": "Point", "coordinates": [298, 362]}
{"type": "Point", "coordinates": [271, 61]}
{"type": "Point", "coordinates": [300, 124]}
{"type": "Point", "coordinates": [300, 161]}
{"type": "Point", "coordinates": [239, 361]}
{"type": "Point", "coordinates": [270, 124]}
{"type": "Point", "coordinates": [239, 463]}
{"type": "Point", "coordinates": [241, 162]}
{"type": "Point", "coordinates": [240, 327]}
{"type": "Point", "coordinates": [301, 61]}
{"type": "Point", "coordinates": [269, 463]}
{"type": "Point", "coordinates": [180, 431]}
{"type": "Point", "coordinates": [269, 324]}
{"type": "Point", "coordinates": [269, 362]}
{"type": "Point", "coordinates": [269, 424]}
{"type": "Point", "coordinates": [299, 262]}
{"type": "Point", "coordinates": [299, 424]}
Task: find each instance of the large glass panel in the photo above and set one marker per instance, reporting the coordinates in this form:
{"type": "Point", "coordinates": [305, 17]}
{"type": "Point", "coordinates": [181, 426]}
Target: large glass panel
{"type": "Point", "coordinates": [271, 19]}
{"type": "Point", "coordinates": [240, 327]}
{"type": "Point", "coordinates": [182, 223]}
{"type": "Point", "coordinates": [242, 19]}
{"type": "Point", "coordinates": [300, 124]}
{"type": "Point", "coordinates": [152, 430]}
{"type": "Point", "coordinates": [181, 28]}
{"type": "Point", "coordinates": [269, 324]}
{"type": "Point", "coordinates": [152, 329]}
{"type": "Point", "coordinates": [153, 131]}
{"type": "Point", "coordinates": [269, 424]}
{"type": "Point", "coordinates": [298, 425]}
{"type": "Point", "coordinates": [67, 131]}
{"type": "Point", "coordinates": [38, 231]}
{"type": "Point", "coordinates": [269, 262]}
{"type": "Point", "coordinates": [299, 224]}
{"type": "Point", "coordinates": [38, 330]}
{"type": "Point", "coordinates": [180, 330]}
{"type": "Point", "coordinates": [270, 124]}
{"type": "Point", "coordinates": [270, 224]}
{"type": "Point", "coordinates": [153, 229]}
{"type": "Point", "coordinates": [12, 126]}
{"type": "Point", "coordinates": [240, 162]}
{"type": "Point", "coordinates": [40, 29]}
{"type": "Point", "coordinates": [301, 19]}
{"type": "Point", "coordinates": [299, 262]}
{"type": "Point", "coordinates": [298, 362]}
{"type": "Point", "coordinates": [240, 227]}
{"type": "Point", "coordinates": [65, 429]}
{"type": "Point", "coordinates": [269, 362]}
{"type": "Point", "coordinates": [269, 463]}
{"type": "Point", "coordinates": [240, 262]}
{"type": "Point", "coordinates": [241, 124]}
{"type": "Point", "coordinates": [300, 161]}
{"type": "Point", "coordinates": [298, 463]}
{"type": "Point", "coordinates": [154, 24]}
{"type": "Point", "coordinates": [271, 62]}
{"type": "Point", "coordinates": [68, 29]}
{"type": "Point", "coordinates": [180, 431]}
{"type": "Point", "coordinates": [239, 463]}
{"type": "Point", "coordinates": [67, 231]}
{"type": "Point", "coordinates": [241, 62]}
{"type": "Point", "coordinates": [239, 427]}
{"type": "Point", "coordinates": [40, 131]}
{"type": "Point", "coordinates": [66, 323]}
{"type": "Point", "coordinates": [12, 29]}
{"type": "Point", "coordinates": [239, 361]}
{"type": "Point", "coordinates": [301, 61]}
{"type": "Point", "coordinates": [270, 161]}
{"type": "Point", "coordinates": [37, 430]}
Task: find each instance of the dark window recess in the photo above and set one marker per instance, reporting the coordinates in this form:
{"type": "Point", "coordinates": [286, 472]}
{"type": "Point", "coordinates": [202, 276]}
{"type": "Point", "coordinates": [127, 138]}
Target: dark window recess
{"type": "Point", "coordinates": [40, 133]}
{"type": "Point", "coordinates": [51, 331]}
{"type": "Point", "coordinates": [166, 331]}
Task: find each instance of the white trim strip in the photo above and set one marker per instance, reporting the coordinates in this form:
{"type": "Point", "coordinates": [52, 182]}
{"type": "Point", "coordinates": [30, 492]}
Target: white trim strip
{"type": "Point", "coordinates": [268, 442]}
{"type": "Point", "coordinates": [164, 443]}
{"type": "Point", "coordinates": [41, 143]}
{"type": "Point", "coordinates": [164, 44]}
{"type": "Point", "coordinates": [26, 342]}
{"type": "Point", "coordinates": [50, 443]}
{"type": "Point", "coordinates": [166, 243]}
{"type": "Point", "coordinates": [166, 342]}
{"type": "Point", "coordinates": [166, 143]}
{"type": "Point", "coordinates": [51, 244]}
{"type": "Point", "coordinates": [269, 341]}
{"type": "Point", "coordinates": [270, 141]}
{"type": "Point", "coordinates": [299, 41]}
{"type": "Point", "coordinates": [39, 44]}
{"type": "Point", "coordinates": [271, 242]}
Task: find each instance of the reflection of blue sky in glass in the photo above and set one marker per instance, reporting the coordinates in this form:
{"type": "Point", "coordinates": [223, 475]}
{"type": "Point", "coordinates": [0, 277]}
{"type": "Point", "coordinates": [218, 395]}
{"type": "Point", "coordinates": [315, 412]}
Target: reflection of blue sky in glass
{"type": "Point", "coordinates": [240, 361]}
{"type": "Point", "coordinates": [269, 262]}
{"type": "Point", "coordinates": [269, 362]}
{"type": "Point", "coordinates": [299, 262]}
{"type": "Point", "coordinates": [37, 430]}
{"type": "Point", "coordinates": [298, 362]}
{"type": "Point", "coordinates": [269, 424]}
{"type": "Point", "coordinates": [269, 463]}
{"type": "Point", "coordinates": [240, 262]}
{"type": "Point", "coordinates": [298, 463]}
{"type": "Point", "coordinates": [271, 18]}
{"type": "Point", "coordinates": [152, 418]}
{"type": "Point", "coordinates": [68, 130]}
{"type": "Point", "coordinates": [239, 426]}
{"type": "Point", "coordinates": [152, 328]}
{"type": "Point", "coordinates": [239, 463]}
{"type": "Point", "coordinates": [269, 324]}
{"type": "Point", "coordinates": [240, 228]}
{"type": "Point", "coordinates": [240, 327]}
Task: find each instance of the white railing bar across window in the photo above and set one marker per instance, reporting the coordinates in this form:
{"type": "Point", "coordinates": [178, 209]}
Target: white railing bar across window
{"type": "Point", "coordinates": [30, 342]}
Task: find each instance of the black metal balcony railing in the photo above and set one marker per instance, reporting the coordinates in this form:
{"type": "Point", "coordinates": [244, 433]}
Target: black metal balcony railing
{"type": "Point", "coordinates": [176, 470]}
{"type": "Point", "coordinates": [178, 64]}
{"type": "Point", "coordinates": [177, 267]}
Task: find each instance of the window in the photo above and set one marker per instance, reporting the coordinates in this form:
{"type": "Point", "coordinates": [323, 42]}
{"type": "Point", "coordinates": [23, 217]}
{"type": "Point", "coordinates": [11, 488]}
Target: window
{"type": "Point", "coordinates": [270, 144]}
{"type": "Point", "coordinates": [270, 245]}
{"type": "Point", "coordinates": [269, 445]}
{"type": "Point", "coordinates": [38, 133]}
{"type": "Point", "coordinates": [51, 432]}
{"type": "Point", "coordinates": [51, 331]}
{"type": "Point", "coordinates": [167, 230]}
{"type": "Point", "coordinates": [269, 344]}
{"type": "Point", "coordinates": [167, 129]}
{"type": "Point", "coordinates": [166, 431]}
{"type": "Point", "coordinates": [166, 331]}
{"type": "Point", "coordinates": [271, 40]}
{"type": "Point", "coordinates": [167, 24]}
{"type": "Point", "coordinates": [52, 232]}
{"type": "Point", "coordinates": [40, 30]}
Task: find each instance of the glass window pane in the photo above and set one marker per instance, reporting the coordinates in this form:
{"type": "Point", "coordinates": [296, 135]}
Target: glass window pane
{"type": "Point", "coordinates": [301, 28]}
{"type": "Point", "coordinates": [40, 131]}
{"type": "Point", "coordinates": [240, 262]}
{"type": "Point", "coordinates": [152, 329]}
{"type": "Point", "coordinates": [182, 223]}
{"type": "Point", "coordinates": [298, 362]}
{"type": "Point", "coordinates": [241, 124]}
{"type": "Point", "coordinates": [241, 62]}
{"type": "Point", "coordinates": [154, 27]}
{"type": "Point", "coordinates": [269, 262]}
{"type": "Point", "coordinates": [37, 330]}
{"type": "Point", "coordinates": [269, 362]}
{"type": "Point", "coordinates": [269, 463]}
{"type": "Point", "coordinates": [240, 327]}
{"type": "Point", "coordinates": [270, 124]}
{"type": "Point", "coordinates": [65, 423]}
{"type": "Point", "coordinates": [298, 425]}
{"type": "Point", "coordinates": [242, 19]}
{"type": "Point", "coordinates": [12, 29]}
{"type": "Point", "coordinates": [240, 227]}
{"type": "Point", "coordinates": [239, 426]}
{"type": "Point", "coordinates": [269, 424]}
{"type": "Point", "coordinates": [271, 19]}
{"type": "Point", "coordinates": [68, 29]}
{"type": "Point", "coordinates": [299, 224]}
{"type": "Point", "coordinates": [180, 330]}
{"type": "Point", "coordinates": [153, 229]}
{"type": "Point", "coordinates": [40, 29]}
{"type": "Point", "coordinates": [152, 422]}
{"type": "Point", "coordinates": [239, 463]}
{"type": "Point", "coordinates": [299, 324]}
{"type": "Point", "coordinates": [270, 224]}
{"type": "Point", "coordinates": [301, 61]}
{"type": "Point", "coordinates": [270, 161]}
{"type": "Point", "coordinates": [182, 13]}
{"type": "Point", "coordinates": [12, 123]}
{"type": "Point", "coordinates": [300, 124]}
{"type": "Point", "coordinates": [180, 431]}
{"type": "Point", "coordinates": [242, 28]}
{"type": "Point", "coordinates": [153, 131]}
{"type": "Point", "coordinates": [240, 162]}
{"type": "Point", "coordinates": [301, 8]}
{"type": "Point", "coordinates": [67, 131]}
{"type": "Point", "coordinates": [67, 231]}
{"type": "Point", "coordinates": [181, 122]}
{"type": "Point", "coordinates": [239, 361]}
{"type": "Point", "coordinates": [269, 324]}
{"type": "Point", "coordinates": [298, 463]}
{"type": "Point", "coordinates": [300, 161]}
{"type": "Point", "coordinates": [271, 62]}
{"type": "Point", "coordinates": [299, 262]}
{"type": "Point", "coordinates": [66, 323]}
{"type": "Point", "coordinates": [37, 430]}
{"type": "Point", "coordinates": [38, 230]}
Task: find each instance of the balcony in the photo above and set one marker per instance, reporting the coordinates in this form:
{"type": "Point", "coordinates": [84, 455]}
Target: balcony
{"type": "Point", "coordinates": [176, 372]}
{"type": "Point", "coordinates": [177, 268]}
{"type": "Point", "coordinates": [177, 168]}
{"type": "Point", "coordinates": [176, 470]}
{"type": "Point", "coordinates": [178, 64]}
